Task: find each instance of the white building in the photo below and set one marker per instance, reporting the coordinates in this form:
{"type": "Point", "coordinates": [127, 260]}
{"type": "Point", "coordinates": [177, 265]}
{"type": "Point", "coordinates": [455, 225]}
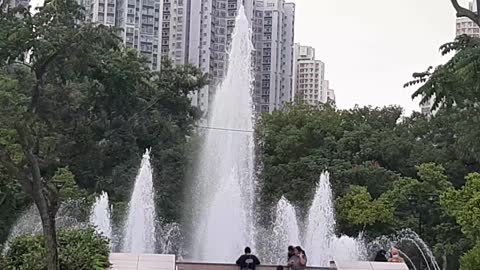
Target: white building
{"type": "Point", "coordinates": [199, 32]}
{"type": "Point", "coordinates": [273, 41]}
{"type": "Point", "coordinates": [138, 23]}
{"type": "Point", "coordinates": [310, 84]}
{"type": "Point", "coordinates": [466, 26]}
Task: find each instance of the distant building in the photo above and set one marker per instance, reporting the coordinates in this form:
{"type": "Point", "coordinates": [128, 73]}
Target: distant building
{"type": "Point", "coordinates": [309, 73]}
{"type": "Point", "coordinates": [15, 3]}
{"type": "Point", "coordinates": [466, 26]}
{"type": "Point", "coordinates": [199, 32]}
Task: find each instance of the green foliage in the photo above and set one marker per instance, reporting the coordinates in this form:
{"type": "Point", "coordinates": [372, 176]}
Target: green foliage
{"type": "Point", "coordinates": [464, 206]}
{"type": "Point", "coordinates": [90, 107]}
{"type": "Point", "coordinates": [357, 207]}
{"type": "Point", "coordinates": [456, 82]}
{"type": "Point", "coordinates": [78, 249]}
{"type": "Point", "coordinates": [387, 171]}
{"type": "Point", "coordinates": [471, 259]}
{"type": "Point", "coordinates": [69, 189]}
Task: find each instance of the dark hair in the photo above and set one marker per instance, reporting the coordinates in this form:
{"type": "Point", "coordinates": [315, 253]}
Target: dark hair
{"type": "Point", "coordinates": [299, 248]}
{"type": "Point", "coordinates": [248, 250]}
{"type": "Point", "coordinates": [280, 267]}
{"type": "Point", "coordinates": [290, 248]}
{"type": "Point", "coordinates": [380, 257]}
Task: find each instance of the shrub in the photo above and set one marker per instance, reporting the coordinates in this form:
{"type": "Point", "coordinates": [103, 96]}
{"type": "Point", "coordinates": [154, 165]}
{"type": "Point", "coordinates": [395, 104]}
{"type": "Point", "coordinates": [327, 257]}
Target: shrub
{"type": "Point", "coordinates": [471, 259]}
{"type": "Point", "coordinates": [78, 249]}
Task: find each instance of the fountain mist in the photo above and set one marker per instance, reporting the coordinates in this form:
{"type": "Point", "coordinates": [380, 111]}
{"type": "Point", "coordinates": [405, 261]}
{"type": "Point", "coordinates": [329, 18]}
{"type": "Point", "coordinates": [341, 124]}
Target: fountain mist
{"type": "Point", "coordinates": [225, 186]}
{"type": "Point", "coordinates": [101, 216]}
{"type": "Point", "coordinates": [285, 231]}
{"type": "Point", "coordinates": [139, 231]}
{"type": "Point", "coordinates": [320, 240]}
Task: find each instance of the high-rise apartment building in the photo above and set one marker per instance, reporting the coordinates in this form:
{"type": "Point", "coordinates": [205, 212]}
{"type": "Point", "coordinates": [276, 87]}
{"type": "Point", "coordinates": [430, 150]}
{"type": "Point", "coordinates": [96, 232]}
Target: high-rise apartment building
{"type": "Point", "coordinates": [466, 26]}
{"type": "Point", "coordinates": [138, 22]}
{"type": "Point", "coordinates": [199, 32]}
{"type": "Point", "coordinates": [273, 37]}
{"type": "Point", "coordinates": [309, 74]}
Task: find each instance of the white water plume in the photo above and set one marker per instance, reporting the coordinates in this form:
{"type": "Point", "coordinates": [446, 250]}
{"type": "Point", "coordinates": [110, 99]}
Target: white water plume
{"type": "Point", "coordinates": [321, 242]}
{"type": "Point", "coordinates": [225, 188]}
{"type": "Point", "coordinates": [285, 231]}
{"type": "Point", "coordinates": [139, 230]}
{"type": "Point", "coordinates": [101, 216]}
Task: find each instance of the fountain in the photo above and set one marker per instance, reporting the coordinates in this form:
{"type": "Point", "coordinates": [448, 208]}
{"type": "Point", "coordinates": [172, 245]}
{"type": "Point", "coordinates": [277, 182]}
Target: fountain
{"type": "Point", "coordinates": [408, 239]}
{"type": "Point", "coordinates": [319, 239]}
{"type": "Point", "coordinates": [285, 231]}
{"type": "Point", "coordinates": [30, 223]}
{"type": "Point", "coordinates": [100, 216]}
{"type": "Point", "coordinates": [139, 230]}
{"type": "Point", "coordinates": [224, 189]}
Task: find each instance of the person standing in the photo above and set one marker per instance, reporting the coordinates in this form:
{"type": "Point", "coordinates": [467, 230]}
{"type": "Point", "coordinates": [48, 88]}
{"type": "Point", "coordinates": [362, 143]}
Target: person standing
{"type": "Point", "coordinates": [248, 261]}
{"type": "Point", "coordinates": [299, 260]}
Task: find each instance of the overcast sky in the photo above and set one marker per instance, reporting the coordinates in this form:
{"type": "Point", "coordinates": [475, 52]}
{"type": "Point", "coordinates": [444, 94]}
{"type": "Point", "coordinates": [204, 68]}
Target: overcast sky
{"type": "Point", "coordinates": [371, 47]}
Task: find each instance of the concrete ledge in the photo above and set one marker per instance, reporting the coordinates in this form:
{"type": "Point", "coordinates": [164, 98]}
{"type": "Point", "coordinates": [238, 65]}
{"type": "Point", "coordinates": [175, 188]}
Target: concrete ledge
{"type": "Point", "coordinates": [370, 266]}
{"type": "Point", "coordinates": [225, 266]}
{"type": "Point", "coordinates": [123, 261]}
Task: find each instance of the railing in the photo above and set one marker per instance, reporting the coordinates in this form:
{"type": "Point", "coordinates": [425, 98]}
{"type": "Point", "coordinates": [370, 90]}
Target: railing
{"type": "Point", "coordinates": [224, 266]}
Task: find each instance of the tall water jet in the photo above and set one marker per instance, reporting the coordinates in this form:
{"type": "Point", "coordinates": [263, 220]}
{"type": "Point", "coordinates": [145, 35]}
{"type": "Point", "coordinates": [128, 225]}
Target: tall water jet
{"type": "Point", "coordinates": [139, 230]}
{"type": "Point", "coordinates": [320, 241]}
{"type": "Point", "coordinates": [225, 182]}
{"type": "Point", "coordinates": [101, 216]}
{"type": "Point", "coordinates": [285, 231]}
{"type": "Point", "coordinates": [321, 223]}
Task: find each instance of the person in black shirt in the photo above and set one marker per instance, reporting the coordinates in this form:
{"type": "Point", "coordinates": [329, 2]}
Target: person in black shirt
{"type": "Point", "coordinates": [248, 261]}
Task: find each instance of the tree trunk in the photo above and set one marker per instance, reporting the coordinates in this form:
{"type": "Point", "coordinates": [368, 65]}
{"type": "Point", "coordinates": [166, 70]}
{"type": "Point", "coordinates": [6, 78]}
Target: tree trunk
{"type": "Point", "coordinates": [47, 214]}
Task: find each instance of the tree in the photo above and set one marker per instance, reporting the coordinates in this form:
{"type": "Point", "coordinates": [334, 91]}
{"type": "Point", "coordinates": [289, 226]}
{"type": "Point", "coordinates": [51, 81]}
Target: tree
{"type": "Point", "coordinates": [44, 60]}
{"type": "Point", "coordinates": [471, 259]}
{"type": "Point", "coordinates": [357, 207]}
{"type": "Point", "coordinates": [464, 206]}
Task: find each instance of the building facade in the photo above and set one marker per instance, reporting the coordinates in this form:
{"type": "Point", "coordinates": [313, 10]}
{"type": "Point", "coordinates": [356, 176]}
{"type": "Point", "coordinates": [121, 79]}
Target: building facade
{"type": "Point", "coordinates": [199, 32]}
{"type": "Point", "coordinates": [467, 26]}
{"type": "Point", "coordinates": [310, 85]}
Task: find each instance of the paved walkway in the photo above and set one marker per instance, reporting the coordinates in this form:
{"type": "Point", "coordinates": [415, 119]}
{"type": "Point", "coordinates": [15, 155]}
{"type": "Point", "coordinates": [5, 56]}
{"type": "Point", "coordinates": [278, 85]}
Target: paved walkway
{"type": "Point", "coordinates": [122, 261]}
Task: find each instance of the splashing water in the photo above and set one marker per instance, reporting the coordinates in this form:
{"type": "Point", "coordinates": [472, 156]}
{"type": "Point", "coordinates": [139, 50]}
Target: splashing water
{"type": "Point", "coordinates": [320, 240]}
{"type": "Point", "coordinates": [285, 231]}
{"type": "Point", "coordinates": [101, 216]}
{"type": "Point", "coordinates": [407, 239]}
{"type": "Point", "coordinates": [30, 223]}
{"type": "Point", "coordinates": [320, 224]}
{"type": "Point", "coordinates": [225, 184]}
{"type": "Point", "coordinates": [139, 230]}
